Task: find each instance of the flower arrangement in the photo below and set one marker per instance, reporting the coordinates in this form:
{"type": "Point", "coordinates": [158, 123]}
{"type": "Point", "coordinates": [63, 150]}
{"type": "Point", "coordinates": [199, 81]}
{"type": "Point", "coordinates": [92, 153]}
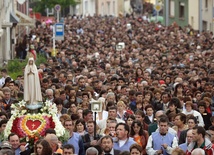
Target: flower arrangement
{"type": "Point", "coordinates": [32, 126]}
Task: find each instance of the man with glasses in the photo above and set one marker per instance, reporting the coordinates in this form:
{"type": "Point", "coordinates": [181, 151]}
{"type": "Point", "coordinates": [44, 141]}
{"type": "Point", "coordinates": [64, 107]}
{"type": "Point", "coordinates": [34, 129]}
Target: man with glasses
{"type": "Point", "coordinates": [75, 139]}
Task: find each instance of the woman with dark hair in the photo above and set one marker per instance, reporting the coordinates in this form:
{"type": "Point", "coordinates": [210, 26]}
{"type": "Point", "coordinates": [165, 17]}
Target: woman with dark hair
{"type": "Point", "coordinates": [129, 120]}
{"type": "Point", "coordinates": [174, 106]}
{"type": "Point", "coordinates": [197, 96]}
{"type": "Point", "coordinates": [138, 74]}
{"type": "Point", "coordinates": [178, 90]}
{"type": "Point", "coordinates": [205, 115]}
{"type": "Point", "coordinates": [60, 109]}
{"type": "Point", "coordinates": [80, 127]}
{"type": "Point", "coordinates": [140, 136]}
{"type": "Point", "coordinates": [42, 147]}
{"type": "Point", "coordinates": [72, 109]}
{"type": "Point", "coordinates": [103, 93]}
{"type": "Point", "coordinates": [168, 80]}
{"type": "Point", "coordinates": [140, 115]}
{"type": "Point", "coordinates": [148, 96]}
{"type": "Point", "coordinates": [7, 82]}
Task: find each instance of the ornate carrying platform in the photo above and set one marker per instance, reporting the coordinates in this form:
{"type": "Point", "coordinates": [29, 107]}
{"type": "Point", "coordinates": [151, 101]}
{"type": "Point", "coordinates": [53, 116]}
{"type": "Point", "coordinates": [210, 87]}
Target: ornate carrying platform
{"type": "Point", "coordinates": [31, 124]}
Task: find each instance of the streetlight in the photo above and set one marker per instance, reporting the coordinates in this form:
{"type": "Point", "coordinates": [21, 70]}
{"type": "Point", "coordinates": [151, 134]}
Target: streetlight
{"type": "Point", "coordinates": [96, 106]}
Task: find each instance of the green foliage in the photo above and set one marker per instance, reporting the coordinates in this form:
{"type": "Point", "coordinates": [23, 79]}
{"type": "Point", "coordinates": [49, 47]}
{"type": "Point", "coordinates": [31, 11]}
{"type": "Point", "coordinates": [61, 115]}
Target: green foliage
{"type": "Point", "coordinates": [65, 137]}
{"type": "Point", "coordinates": [43, 4]}
{"type": "Point", "coordinates": [40, 59]}
{"type": "Point", "coordinates": [15, 67]}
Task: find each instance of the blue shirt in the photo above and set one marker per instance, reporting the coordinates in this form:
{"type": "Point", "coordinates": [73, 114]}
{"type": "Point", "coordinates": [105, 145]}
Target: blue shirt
{"type": "Point", "coordinates": [76, 141]}
{"type": "Point", "coordinates": [158, 140]}
{"type": "Point", "coordinates": [17, 151]}
{"type": "Point", "coordinates": [126, 146]}
{"type": "Point", "coordinates": [183, 147]}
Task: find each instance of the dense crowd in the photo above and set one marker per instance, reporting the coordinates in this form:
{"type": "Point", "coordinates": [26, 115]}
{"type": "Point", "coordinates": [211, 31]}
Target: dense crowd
{"type": "Point", "coordinates": [156, 91]}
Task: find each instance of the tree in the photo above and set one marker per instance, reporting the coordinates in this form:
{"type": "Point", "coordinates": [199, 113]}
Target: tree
{"type": "Point", "coordinates": [63, 3]}
{"type": "Point", "coordinates": [41, 5]}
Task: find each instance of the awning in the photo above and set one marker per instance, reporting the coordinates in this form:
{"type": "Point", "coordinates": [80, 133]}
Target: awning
{"type": "Point", "coordinates": [24, 19]}
{"type": "Point", "coordinates": [6, 24]}
{"type": "Point", "coordinates": [14, 18]}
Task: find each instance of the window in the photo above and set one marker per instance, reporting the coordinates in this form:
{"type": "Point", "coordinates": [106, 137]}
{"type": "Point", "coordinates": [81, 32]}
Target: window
{"type": "Point", "coordinates": [204, 25]}
{"type": "Point", "coordinates": [171, 8]}
{"type": "Point", "coordinates": [86, 6]}
{"type": "Point", "coordinates": [1, 5]}
{"type": "Point", "coordinates": [192, 21]}
{"type": "Point", "coordinates": [213, 12]}
{"type": "Point", "coordinates": [181, 10]}
{"type": "Point", "coordinates": [206, 3]}
{"type": "Point", "coordinates": [113, 7]}
{"type": "Point", "coordinates": [108, 4]}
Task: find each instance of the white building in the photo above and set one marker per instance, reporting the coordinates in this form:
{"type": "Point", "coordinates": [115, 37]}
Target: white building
{"type": "Point", "coordinates": [194, 14]}
{"type": "Point", "coordinates": [7, 28]}
{"type": "Point", "coordinates": [86, 7]}
{"type": "Point", "coordinates": [1, 30]}
{"type": "Point", "coordinates": [207, 15]}
{"type": "Point", "coordinates": [107, 7]}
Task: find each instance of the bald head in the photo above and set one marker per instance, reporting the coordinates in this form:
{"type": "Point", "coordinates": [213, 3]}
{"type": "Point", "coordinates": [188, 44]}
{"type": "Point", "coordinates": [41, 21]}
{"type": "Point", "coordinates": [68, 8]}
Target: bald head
{"type": "Point", "coordinates": [189, 136]}
{"type": "Point", "coordinates": [51, 138]}
{"type": "Point", "coordinates": [198, 151]}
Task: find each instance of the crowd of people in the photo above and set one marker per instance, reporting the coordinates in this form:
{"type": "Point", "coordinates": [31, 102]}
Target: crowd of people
{"type": "Point", "coordinates": [156, 91]}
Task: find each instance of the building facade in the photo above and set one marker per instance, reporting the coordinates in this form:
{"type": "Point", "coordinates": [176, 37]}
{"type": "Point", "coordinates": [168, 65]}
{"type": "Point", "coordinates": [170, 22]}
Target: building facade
{"type": "Point", "coordinates": [194, 14]}
{"type": "Point", "coordinates": [101, 7]}
{"type": "Point", "coordinates": [2, 12]}
{"type": "Point", "coordinates": [8, 24]}
{"type": "Point", "coordinates": [207, 15]}
{"type": "Point", "coordinates": [86, 7]}
{"type": "Point", "coordinates": [107, 7]}
{"type": "Point", "coordinates": [177, 12]}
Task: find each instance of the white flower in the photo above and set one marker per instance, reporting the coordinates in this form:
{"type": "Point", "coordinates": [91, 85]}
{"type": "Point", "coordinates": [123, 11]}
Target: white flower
{"type": "Point", "coordinates": [23, 112]}
{"type": "Point", "coordinates": [13, 106]}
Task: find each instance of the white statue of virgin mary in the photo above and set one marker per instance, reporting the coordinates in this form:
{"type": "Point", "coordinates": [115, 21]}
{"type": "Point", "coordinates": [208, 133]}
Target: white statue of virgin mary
{"type": "Point", "coordinates": [32, 88]}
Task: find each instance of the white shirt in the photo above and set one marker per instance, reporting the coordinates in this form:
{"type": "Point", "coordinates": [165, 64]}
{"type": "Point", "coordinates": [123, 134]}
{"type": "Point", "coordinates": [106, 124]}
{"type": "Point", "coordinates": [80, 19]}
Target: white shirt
{"type": "Point", "coordinates": [111, 152]}
{"type": "Point", "coordinates": [197, 115]}
{"type": "Point", "coordinates": [122, 142]}
{"type": "Point", "coordinates": [150, 118]}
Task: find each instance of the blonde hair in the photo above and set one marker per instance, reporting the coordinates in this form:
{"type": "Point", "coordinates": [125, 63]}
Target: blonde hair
{"type": "Point", "coordinates": [121, 103]}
